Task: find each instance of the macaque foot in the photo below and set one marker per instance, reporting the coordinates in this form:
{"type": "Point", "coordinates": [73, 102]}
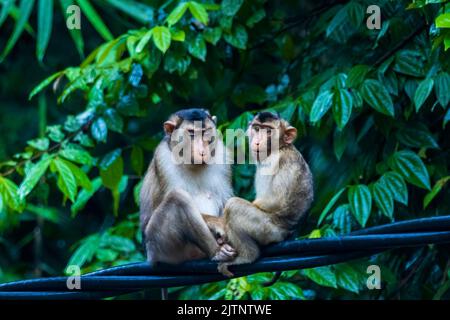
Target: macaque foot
{"type": "Point", "coordinates": [219, 234]}
{"type": "Point", "coordinates": [225, 253]}
{"type": "Point", "coordinates": [223, 269]}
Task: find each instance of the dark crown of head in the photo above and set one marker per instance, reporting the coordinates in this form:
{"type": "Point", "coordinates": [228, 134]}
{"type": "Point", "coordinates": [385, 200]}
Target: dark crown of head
{"type": "Point", "coordinates": [267, 115]}
{"type": "Point", "coordinates": [193, 114]}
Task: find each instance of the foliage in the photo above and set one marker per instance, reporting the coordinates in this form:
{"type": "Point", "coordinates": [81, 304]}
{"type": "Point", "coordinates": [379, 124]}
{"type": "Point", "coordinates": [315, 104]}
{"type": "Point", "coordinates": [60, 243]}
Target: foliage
{"type": "Point", "coordinates": [371, 107]}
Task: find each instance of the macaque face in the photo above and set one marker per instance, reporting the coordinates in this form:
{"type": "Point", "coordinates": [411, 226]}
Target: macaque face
{"type": "Point", "coordinates": [193, 141]}
{"type": "Point", "coordinates": [263, 137]}
{"type": "Point", "coordinates": [200, 139]}
{"type": "Point", "coordinates": [267, 133]}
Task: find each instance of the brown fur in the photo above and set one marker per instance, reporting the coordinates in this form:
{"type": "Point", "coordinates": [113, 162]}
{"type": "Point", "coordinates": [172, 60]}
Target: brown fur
{"type": "Point", "coordinates": [172, 198]}
{"type": "Point", "coordinates": [282, 199]}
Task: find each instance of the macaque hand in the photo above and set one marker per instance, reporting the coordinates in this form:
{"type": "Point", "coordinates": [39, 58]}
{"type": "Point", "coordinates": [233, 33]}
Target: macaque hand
{"type": "Point", "coordinates": [225, 253]}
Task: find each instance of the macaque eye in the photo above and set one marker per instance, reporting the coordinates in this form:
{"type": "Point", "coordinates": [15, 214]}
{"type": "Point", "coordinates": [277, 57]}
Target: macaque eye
{"type": "Point", "coordinates": [191, 132]}
{"type": "Point", "coordinates": [207, 132]}
{"type": "Point", "coordinates": [256, 128]}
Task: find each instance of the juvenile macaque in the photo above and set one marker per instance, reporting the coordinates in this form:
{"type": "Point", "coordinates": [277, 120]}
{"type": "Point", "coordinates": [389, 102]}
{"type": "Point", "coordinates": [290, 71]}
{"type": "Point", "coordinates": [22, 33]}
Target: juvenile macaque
{"type": "Point", "coordinates": [284, 192]}
{"type": "Point", "coordinates": [181, 183]}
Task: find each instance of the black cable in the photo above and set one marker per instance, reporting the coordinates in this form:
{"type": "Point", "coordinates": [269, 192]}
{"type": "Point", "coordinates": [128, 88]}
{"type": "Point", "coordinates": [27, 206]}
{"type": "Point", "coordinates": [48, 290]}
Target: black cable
{"type": "Point", "coordinates": [302, 248]}
{"type": "Point", "coordinates": [129, 284]}
{"type": "Point", "coordinates": [438, 223]}
{"type": "Point", "coordinates": [309, 253]}
{"type": "Point", "coordinates": [165, 275]}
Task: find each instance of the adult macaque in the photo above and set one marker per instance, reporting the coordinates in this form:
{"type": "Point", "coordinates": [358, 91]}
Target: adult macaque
{"type": "Point", "coordinates": [180, 183]}
{"type": "Point", "coordinates": [284, 192]}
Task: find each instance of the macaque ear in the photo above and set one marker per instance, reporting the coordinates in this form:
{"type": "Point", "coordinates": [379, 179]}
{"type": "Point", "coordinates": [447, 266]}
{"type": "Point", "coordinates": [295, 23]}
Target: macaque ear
{"type": "Point", "coordinates": [169, 126]}
{"type": "Point", "coordinates": [289, 135]}
{"type": "Point", "coordinates": [214, 118]}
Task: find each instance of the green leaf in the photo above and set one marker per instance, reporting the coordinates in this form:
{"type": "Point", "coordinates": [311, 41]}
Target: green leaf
{"type": "Point", "coordinates": [355, 12]}
{"type": "Point", "coordinates": [45, 21]}
{"type": "Point", "coordinates": [99, 130]}
{"type": "Point", "coordinates": [25, 8]}
{"type": "Point", "coordinates": [112, 174]}
{"type": "Point", "coordinates": [238, 38]}
{"type": "Point", "coordinates": [422, 92]}
{"type": "Point", "coordinates": [161, 38]}
{"type": "Point", "coordinates": [118, 243]}
{"type": "Point", "coordinates": [137, 10]}
{"type": "Point", "coordinates": [321, 105]}
{"type": "Point", "coordinates": [356, 75]}
{"type": "Point", "coordinates": [113, 120]}
{"type": "Point", "coordinates": [383, 198]}
{"type": "Point", "coordinates": [342, 107]}
{"type": "Point", "coordinates": [340, 141]}
{"type": "Point", "coordinates": [40, 144]}
{"type": "Point", "coordinates": [446, 118]}
{"type": "Point", "coordinates": [95, 19]}
{"type": "Point", "coordinates": [137, 191]}
{"type": "Point", "coordinates": [47, 213]}
{"type": "Point", "coordinates": [80, 176]}
{"type": "Point", "coordinates": [342, 219]}
{"type": "Point", "coordinates": [84, 195]}
{"type": "Point", "coordinates": [410, 63]}
{"type": "Point", "coordinates": [128, 105]}
{"type": "Point", "coordinates": [33, 176]}
{"type": "Point", "coordinates": [360, 202]}
{"type": "Point", "coordinates": [66, 180]}
{"type": "Point", "coordinates": [7, 5]}
{"type": "Point", "coordinates": [10, 194]}
{"type": "Point", "coordinates": [337, 21]}
{"type": "Point", "coordinates": [76, 155]}
{"type": "Point", "coordinates": [376, 95]}
{"type": "Point", "coordinates": [322, 276]}
{"type": "Point", "coordinates": [178, 35]}
{"type": "Point", "coordinates": [347, 277]}
{"type": "Point", "coordinates": [212, 35]}
{"type": "Point", "coordinates": [396, 185]}
{"type": "Point", "coordinates": [231, 7]}
{"type": "Point", "coordinates": [177, 13]}
{"type": "Point", "coordinates": [286, 291]}
{"type": "Point", "coordinates": [106, 255]}
{"type": "Point", "coordinates": [55, 133]}
{"type": "Point", "coordinates": [410, 166]}
{"type": "Point", "coordinates": [256, 17]}
{"type": "Point", "coordinates": [85, 251]}
{"type": "Point", "coordinates": [109, 158]}
{"type": "Point", "coordinates": [199, 12]}
{"type": "Point", "coordinates": [144, 40]}
{"type": "Point", "coordinates": [443, 20]}
{"type": "Point", "coordinates": [434, 192]}
{"type": "Point", "coordinates": [330, 205]}
{"type": "Point", "coordinates": [197, 48]}
{"type": "Point", "coordinates": [44, 84]}
{"type": "Point", "coordinates": [416, 135]}
{"type": "Point", "coordinates": [137, 160]}
{"type": "Point", "coordinates": [442, 88]}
